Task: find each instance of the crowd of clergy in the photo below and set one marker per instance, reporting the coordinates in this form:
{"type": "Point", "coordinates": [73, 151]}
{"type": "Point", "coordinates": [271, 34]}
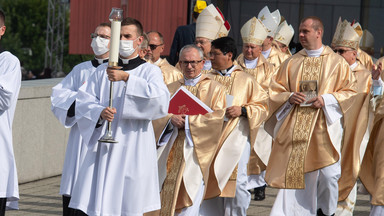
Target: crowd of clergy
{"type": "Point", "coordinates": [309, 123]}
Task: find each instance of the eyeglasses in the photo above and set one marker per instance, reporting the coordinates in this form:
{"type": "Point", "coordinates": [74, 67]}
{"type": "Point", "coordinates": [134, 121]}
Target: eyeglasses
{"type": "Point", "coordinates": [193, 63]}
{"type": "Point", "coordinates": [95, 35]}
{"type": "Point", "coordinates": [154, 46]}
{"type": "Point", "coordinates": [341, 51]}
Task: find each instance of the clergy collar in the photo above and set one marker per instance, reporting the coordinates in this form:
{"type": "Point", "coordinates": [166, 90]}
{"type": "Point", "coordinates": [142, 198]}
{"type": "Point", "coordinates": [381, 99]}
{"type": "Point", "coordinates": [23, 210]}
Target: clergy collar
{"type": "Point", "coordinates": [157, 62]}
{"type": "Point", "coordinates": [192, 81]}
{"type": "Point", "coordinates": [207, 65]}
{"type": "Point", "coordinates": [251, 63]}
{"type": "Point", "coordinates": [353, 66]}
{"type": "Point", "coordinates": [129, 64]}
{"type": "Point", "coordinates": [314, 53]}
{"type": "Point", "coordinates": [96, 62]}
{"type": "Point", "coordinates": [266, 53]}
{"type": "Point", "coordinates": [226, 72]}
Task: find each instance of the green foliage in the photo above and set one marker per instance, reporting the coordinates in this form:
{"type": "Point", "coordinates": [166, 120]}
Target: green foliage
{"type": "Point", "coordinates": [25, 35]}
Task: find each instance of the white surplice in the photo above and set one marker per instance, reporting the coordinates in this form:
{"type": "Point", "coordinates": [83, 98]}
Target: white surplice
{"type": "Point", "coordinates": [120, 178]}
{"type": "Point", "coordinates": [10, 81]}
{"type": "Point", "coordinates": [63, 95]}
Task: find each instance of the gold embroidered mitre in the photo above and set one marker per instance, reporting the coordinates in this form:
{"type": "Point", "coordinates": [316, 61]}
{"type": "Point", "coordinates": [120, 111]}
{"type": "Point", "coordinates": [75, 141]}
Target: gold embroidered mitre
{"type": "Point", "coordinates": [347, 35]}
{"type": "Point", "coordinates": [270, 20]}
{"type": "Point", "coordinates": [367, 41]}
{"type": "Point", "coordinates": [284, 33]}
{"type": "Point", "coordinates": [254, 32]}
{"type": "Point", "coordinates": [211, 24]}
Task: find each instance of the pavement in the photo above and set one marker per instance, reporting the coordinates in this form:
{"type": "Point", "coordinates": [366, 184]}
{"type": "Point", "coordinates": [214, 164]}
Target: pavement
{"type": "Point", "coordinates": [42, 198]}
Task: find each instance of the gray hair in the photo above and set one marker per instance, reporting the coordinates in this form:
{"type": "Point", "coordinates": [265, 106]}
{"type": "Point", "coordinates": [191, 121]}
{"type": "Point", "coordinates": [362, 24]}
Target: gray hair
{"type": "Point", "coordinates": [144, 44]}
{"type": "Point", "coordinates": [192, 46]}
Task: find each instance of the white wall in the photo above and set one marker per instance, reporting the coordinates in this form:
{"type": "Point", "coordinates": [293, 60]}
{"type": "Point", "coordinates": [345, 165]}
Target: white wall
{"type": "Point", "coordinates": [39, 140]}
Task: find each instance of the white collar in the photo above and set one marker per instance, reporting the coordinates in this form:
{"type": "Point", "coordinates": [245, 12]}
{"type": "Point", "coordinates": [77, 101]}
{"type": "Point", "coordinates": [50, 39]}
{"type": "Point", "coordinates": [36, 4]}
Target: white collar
{"type": "Point", "coordinates": [266, 53]}
{"type": "Point", "coordinates": [207, 65]}
{"type": "Point", "coordinates": [126, 61]}
{"type": "Point", "coordinates": [251, 63]}
{"type": "Point", "coordinates": [193, 81]}
{"type": "Point", "coordinates": [101, 61]}
{"type": "Point", "coordinates": [157, 62]}
{"type": "Point", "coordinates": [314, 53]}
{"type": "Point", "coordinates": [226, 72]}
{"type": "Point", "coordinates": [353, 66]}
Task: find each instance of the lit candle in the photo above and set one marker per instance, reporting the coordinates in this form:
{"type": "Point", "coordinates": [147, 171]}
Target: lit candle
{"type": "Point", "coordinates": [115, 17]}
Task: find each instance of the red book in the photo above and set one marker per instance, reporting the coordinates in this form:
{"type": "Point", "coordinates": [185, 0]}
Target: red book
{"type": "Point", "coordinates": [184, 102]}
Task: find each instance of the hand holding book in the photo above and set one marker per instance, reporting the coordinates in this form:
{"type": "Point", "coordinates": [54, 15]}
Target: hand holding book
{"type": "Point", "coordinates": [309, 89]}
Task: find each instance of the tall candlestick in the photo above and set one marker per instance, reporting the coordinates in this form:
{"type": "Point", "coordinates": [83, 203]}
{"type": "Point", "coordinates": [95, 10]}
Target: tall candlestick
{"type": "Point", "coordinates": [115, 17]}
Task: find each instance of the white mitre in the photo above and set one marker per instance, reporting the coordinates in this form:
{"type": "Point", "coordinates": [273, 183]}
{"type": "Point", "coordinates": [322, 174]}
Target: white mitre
{"type": "Point", "coordinates": [254, 32]}
{"type": "Point", "coordinates": [270, 20]}
{"type": "Point", "coordinates": [347, 35]}
{"type": "Point", "coordinates": [284, 33]}
{"type": "Point", "coordinates": [211, 24]}
{"type": "Point", "coordinates": [367, 42]}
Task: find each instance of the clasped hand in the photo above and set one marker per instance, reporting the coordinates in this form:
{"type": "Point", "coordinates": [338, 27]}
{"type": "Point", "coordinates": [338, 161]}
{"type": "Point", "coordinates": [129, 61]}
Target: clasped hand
{"type": "Point", "coordinates": [178, 121]}
{"type": "Point", "coordinates": [117, 75]}
{"type": "Point", "coordinates": [298, 98]}
{"type": "Point", "coordinates": [233, 111]}
{"type": "Point", "coordinates": [108, 113]}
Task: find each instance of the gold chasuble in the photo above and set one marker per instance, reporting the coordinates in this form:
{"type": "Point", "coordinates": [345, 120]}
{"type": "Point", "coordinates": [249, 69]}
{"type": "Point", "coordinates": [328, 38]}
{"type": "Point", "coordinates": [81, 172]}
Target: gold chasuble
{"type": "Point", "coordinates": [170, 73]}
{"type": "Point", "coordinates": [372, 169]}
{"type": "Point", "coordinates": [262, 73]}
{"type": "Point", "coordinates": [186, 166]}
{"type": "Point", "coordinates": [356, 122]}
{"type": "Point", "coordinates": [276, 58]}
{"type": "Point", "coordinates": [364, 59]}
{"type": "Point", "coordinates": [302, 143]}
{"type": "Point", "coordinates": [237, 131]}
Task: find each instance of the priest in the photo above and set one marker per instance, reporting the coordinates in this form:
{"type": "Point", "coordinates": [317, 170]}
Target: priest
{"type": "Point", "coordinates": [210, 25]}
{"type": "Point", "coordinates": [253, 34]}
{"type": "Point", "coordinates": [63, 101]}
{"type": "Point", "coordinates": [189, 143]}
{"type": "Point", "coordinates": [245, 112]}
{"type": "Point", "coordinates": [359, 118]}
{"type": "Point", "coordinates": [271, 21]}
{"type": "Point", "coordinates": [120, 178]}
{"type": "Point", "coordinates": [307, 131]}
{"type": "Point", "coordinates": [155, 48]}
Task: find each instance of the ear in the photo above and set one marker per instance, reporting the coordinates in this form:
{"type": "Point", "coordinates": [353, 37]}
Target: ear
{"type": "Point", "coordinates": [230, 55]}
{"type": "Point", "coordinates": [140, 40]}
{"type": "Point", "coordinates": [2, 30]}
{"type": "Point", "coordinates": [319, 32]}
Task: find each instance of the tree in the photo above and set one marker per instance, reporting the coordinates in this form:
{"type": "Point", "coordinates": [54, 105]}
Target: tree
{"type": "Point", "coordinates": [25, 35]}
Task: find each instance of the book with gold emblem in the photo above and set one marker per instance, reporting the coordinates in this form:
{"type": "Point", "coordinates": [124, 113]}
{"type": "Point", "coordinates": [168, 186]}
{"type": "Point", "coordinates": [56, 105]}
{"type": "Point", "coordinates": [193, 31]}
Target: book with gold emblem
{"type": "Point", "coordinates": [184, 102]}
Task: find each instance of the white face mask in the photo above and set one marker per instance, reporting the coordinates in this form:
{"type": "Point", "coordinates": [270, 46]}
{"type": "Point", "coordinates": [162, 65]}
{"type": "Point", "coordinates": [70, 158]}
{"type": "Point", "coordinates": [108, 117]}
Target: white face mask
{"type": "Point", "coordinates": [100, 45]}
{"type": "Point", "coordinates": [126, 47]}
